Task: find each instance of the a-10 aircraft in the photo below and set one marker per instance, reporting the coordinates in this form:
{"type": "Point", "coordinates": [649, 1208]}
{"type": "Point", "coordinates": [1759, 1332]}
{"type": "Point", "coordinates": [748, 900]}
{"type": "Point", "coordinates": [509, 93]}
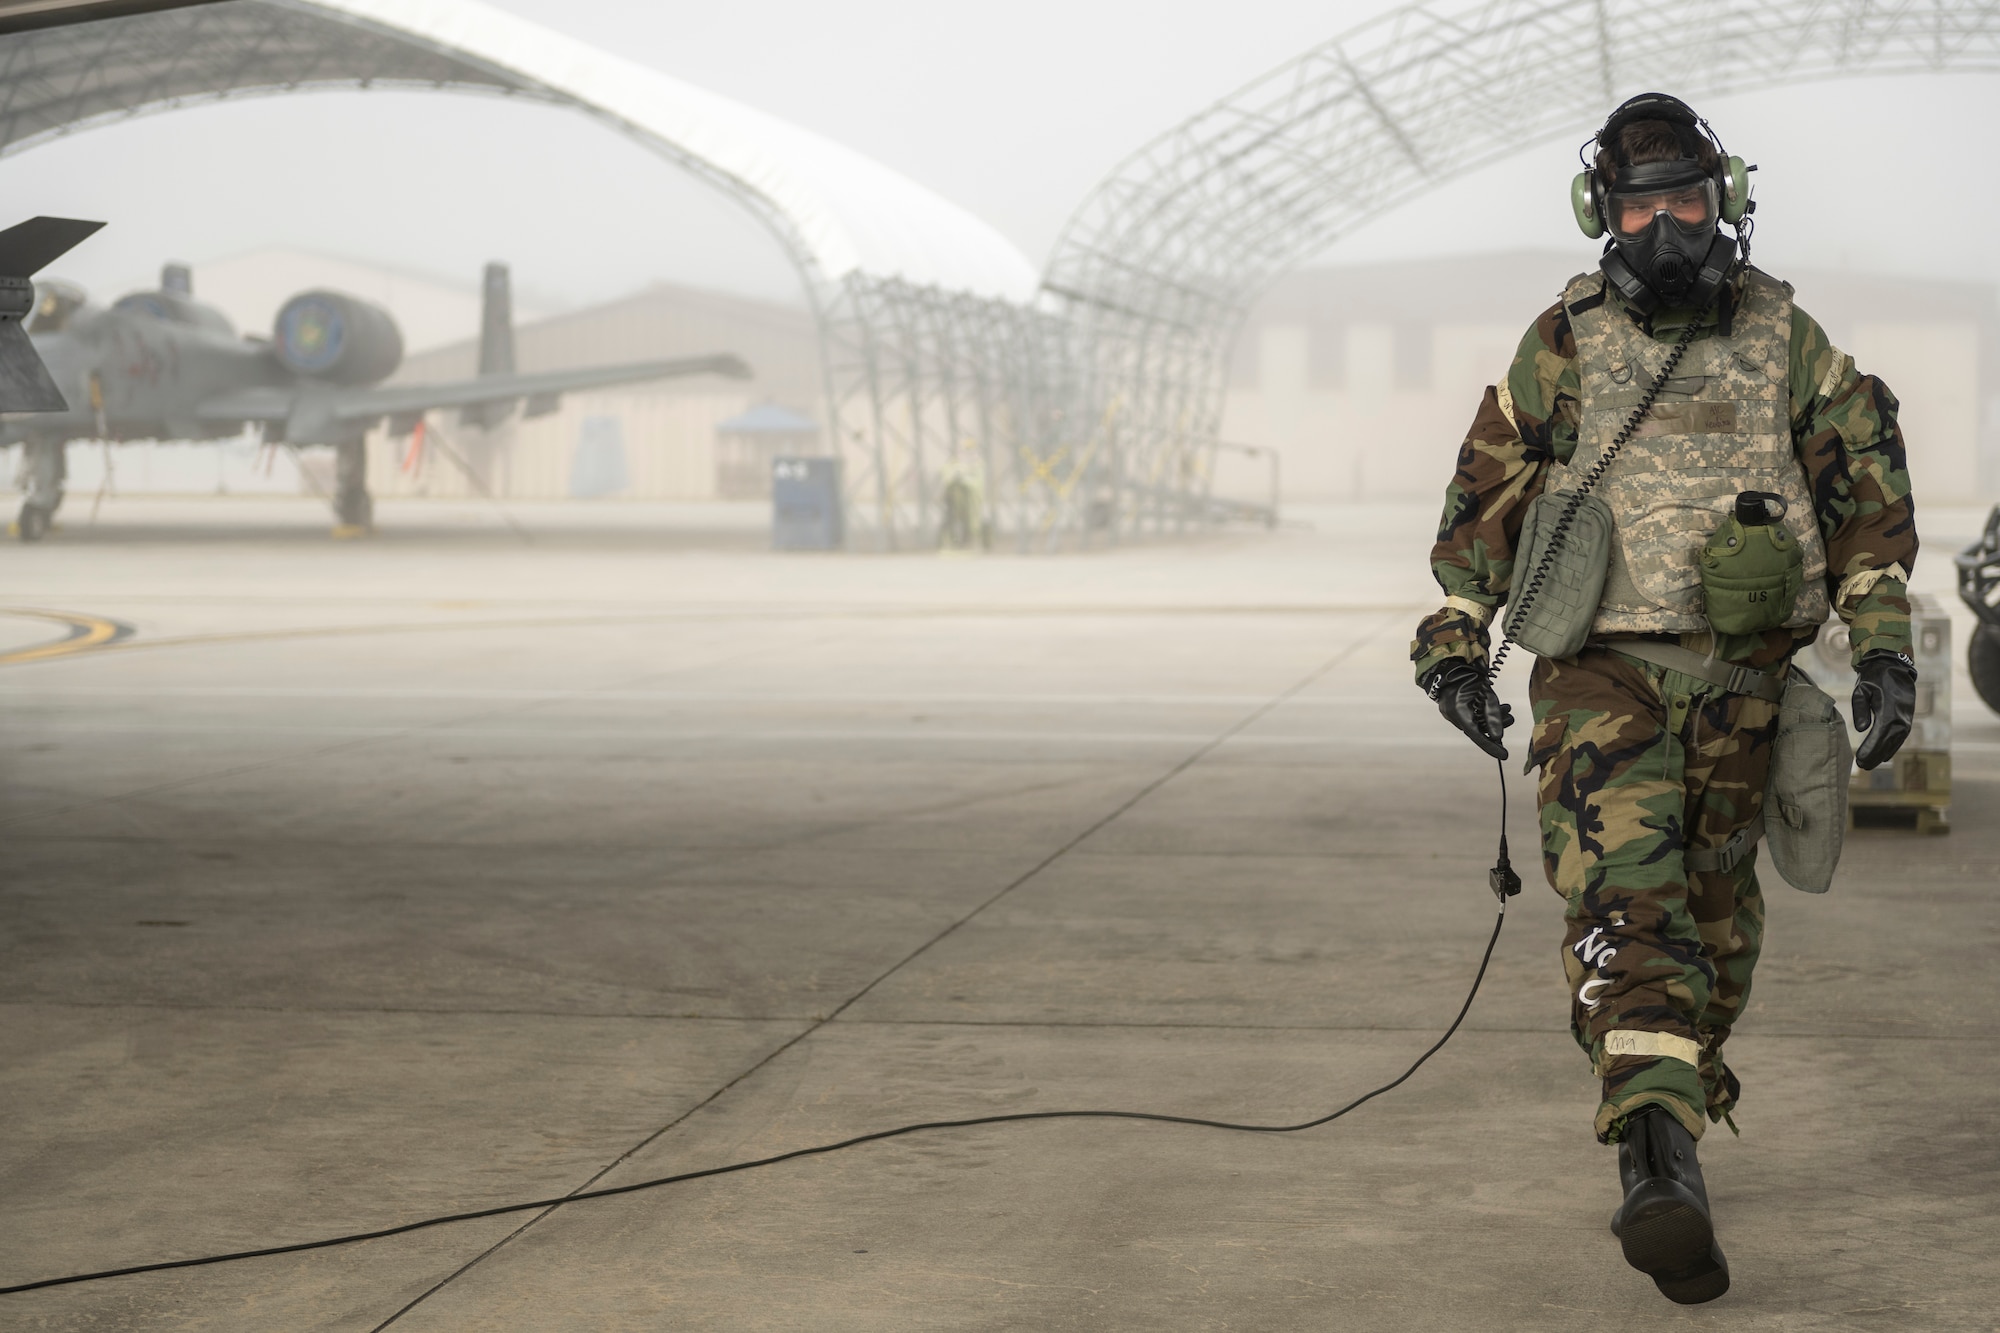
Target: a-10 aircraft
{"type": "Point", "coordinates": [160, 365]}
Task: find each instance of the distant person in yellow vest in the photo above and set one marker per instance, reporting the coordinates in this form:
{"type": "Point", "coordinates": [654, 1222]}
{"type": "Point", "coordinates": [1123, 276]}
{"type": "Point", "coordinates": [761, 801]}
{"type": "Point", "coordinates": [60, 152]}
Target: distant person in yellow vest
{"type": "Point", "coordinates": [962, 495]}
{"type": "Point", "coordinates": [1744, 481]}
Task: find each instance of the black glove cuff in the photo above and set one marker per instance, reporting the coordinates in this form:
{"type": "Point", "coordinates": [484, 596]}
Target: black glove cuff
{"type": "Point", "coordinates": [1440, 677]}
{"type": "Point", "coordinates": [1885, 656]}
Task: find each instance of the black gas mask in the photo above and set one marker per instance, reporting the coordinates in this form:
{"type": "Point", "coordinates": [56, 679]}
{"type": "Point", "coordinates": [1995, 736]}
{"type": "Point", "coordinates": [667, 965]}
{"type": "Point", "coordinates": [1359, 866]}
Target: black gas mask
{"type": "Point", "coordinates": [1666, 247]}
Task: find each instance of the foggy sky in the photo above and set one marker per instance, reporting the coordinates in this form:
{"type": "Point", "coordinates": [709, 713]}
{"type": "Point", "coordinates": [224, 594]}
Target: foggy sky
{"type": "Point", "coordinates": [1013, 111]}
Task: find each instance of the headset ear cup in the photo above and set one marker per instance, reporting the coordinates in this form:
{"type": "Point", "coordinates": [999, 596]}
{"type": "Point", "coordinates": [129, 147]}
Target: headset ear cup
{"type": "Point", "coordinates": [1583, 202]}
{"type": "Point", "coordinates": [1735, 191]}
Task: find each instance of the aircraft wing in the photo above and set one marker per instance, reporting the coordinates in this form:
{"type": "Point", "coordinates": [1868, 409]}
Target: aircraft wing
{"type": "Point", "coordinates": [363, 404]}
{"type": "Point", "coordinates": [257, 404]}
{"type": "Point", "coordinates": [328, 402]}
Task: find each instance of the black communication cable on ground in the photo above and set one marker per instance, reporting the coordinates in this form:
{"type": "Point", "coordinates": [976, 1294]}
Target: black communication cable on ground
{"type": "Point", "coordinates": [1015, 1117]}
{"type": "Point", "coordinates": [817, 1150]}
{"type": "Point", "coordinates": [1501, 879]}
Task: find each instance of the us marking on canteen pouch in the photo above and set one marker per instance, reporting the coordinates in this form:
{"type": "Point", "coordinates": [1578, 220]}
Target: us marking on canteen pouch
{"type": "Point", "coordinates": [1720, 426]}
{"type": "Point", "coordinates": [1751, 570]}
{"type": "Point", "coordinates": [1752, 567]}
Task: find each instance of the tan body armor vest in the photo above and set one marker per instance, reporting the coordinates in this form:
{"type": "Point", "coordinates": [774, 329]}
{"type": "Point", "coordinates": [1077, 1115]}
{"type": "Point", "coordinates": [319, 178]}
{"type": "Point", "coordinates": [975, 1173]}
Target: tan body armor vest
{"type": "Point", "coordinates": [1721, 425]}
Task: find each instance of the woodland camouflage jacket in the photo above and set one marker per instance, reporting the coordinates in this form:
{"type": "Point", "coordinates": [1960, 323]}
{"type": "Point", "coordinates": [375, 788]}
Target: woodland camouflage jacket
{"type": "Point", "coordinates": [1843, 425]}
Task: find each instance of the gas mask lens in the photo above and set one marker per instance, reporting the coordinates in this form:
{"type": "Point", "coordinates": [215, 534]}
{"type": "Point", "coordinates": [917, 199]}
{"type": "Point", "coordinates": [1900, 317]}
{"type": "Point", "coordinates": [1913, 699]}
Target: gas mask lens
{"type": "Point", "coordinates": [1692, 208]}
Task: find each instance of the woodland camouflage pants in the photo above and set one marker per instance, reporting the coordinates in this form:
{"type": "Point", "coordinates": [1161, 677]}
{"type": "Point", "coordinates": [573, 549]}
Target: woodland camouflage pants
{"type": "Point", "coordinates": [1638, 764]}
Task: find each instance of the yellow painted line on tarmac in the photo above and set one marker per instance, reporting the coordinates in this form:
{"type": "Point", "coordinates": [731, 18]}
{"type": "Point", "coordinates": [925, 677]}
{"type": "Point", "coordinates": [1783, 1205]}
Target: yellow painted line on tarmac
{"type": "Point", "coordinates": [86, 633]}
{"type": "Point", "coordinates": [119, 638]}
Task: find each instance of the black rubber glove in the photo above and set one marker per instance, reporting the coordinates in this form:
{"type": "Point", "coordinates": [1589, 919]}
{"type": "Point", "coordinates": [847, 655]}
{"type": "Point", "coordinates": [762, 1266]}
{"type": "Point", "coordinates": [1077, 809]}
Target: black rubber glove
{"type": "Point", "coordinates": [1466, 698]}
{"type": "Point", "coordinates": [1885, 705]}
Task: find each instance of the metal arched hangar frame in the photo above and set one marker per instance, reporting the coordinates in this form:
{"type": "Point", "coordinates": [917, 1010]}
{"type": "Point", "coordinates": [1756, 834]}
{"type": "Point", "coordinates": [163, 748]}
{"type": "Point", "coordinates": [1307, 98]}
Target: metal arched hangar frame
{"type": "Point", "coordinates": [1156, 271]}
{"type": "Point", "coordinates": [1092, 398]}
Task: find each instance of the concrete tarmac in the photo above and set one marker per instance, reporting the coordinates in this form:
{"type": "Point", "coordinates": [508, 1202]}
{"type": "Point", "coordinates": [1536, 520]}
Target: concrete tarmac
{"type": "Point", "coordinates": [362, 882]}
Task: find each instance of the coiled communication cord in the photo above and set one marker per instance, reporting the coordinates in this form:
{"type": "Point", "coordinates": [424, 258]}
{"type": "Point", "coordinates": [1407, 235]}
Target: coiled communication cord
{"type": "Point", "coordinates": [1502, 879]}
{"type": "Point", "coordinates": [1553, 547]}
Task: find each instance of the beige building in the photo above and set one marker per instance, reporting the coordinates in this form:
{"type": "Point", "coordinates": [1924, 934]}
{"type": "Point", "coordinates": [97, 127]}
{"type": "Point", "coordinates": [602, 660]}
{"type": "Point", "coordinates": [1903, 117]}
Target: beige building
{"type": "Point", "coordinates": [640, 441]}
{"type": "Point", "coordinates": [1365, 379]}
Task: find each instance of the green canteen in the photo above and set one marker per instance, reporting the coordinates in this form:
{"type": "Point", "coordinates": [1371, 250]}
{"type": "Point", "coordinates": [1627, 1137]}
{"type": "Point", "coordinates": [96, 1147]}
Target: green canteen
{"type": "Point", "coordinates": [1751, 568]}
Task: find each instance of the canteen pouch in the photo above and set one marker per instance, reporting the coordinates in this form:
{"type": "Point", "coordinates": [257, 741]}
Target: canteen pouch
{"type": "Point", "coordinates": [1556, 621]}
{"type": "Point", "coordinates": [1751, 568]}
{"type": "Point", "coordinates": [1805, 800]}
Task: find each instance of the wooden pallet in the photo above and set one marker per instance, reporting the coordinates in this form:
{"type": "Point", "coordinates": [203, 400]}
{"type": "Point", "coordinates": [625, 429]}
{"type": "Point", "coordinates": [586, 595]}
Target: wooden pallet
{"type": "Point", "coordinates": [1911, 791]}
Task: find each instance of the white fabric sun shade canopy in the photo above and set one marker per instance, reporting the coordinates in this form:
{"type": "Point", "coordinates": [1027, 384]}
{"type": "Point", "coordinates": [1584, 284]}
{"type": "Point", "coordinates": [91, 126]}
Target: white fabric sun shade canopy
{"type": "Point", "coordinates": [849, 212]}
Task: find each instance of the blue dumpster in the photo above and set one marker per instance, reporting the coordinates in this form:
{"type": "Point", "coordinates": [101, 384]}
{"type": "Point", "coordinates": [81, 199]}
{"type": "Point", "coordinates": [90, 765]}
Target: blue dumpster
{"type": "Point", "coordinates": [805, 504]}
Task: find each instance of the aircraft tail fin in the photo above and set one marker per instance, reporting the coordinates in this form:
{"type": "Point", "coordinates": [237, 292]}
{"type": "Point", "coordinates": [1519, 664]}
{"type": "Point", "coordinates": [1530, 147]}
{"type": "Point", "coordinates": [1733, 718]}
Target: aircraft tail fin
{"type": "Point", "coordinates": [496, 322]}
{"type": "Point", "coordinates": [27, 246]}
{"type": "Point", "coordinates": [178, 279]}
{"type": "Point", "coordinates": [25, 383]}
{"type": "Point", "coordinates": [496, 342]}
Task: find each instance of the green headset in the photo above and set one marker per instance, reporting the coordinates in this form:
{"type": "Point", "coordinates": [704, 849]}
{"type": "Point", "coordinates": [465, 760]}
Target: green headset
{"type": "Point", "coordinates": [1732, 178]}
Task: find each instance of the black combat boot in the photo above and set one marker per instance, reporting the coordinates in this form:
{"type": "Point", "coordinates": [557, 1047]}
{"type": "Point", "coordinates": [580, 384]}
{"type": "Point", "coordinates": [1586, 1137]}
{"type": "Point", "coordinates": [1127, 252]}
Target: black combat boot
{"type": "Point", "coordinates": [1664, 1224]}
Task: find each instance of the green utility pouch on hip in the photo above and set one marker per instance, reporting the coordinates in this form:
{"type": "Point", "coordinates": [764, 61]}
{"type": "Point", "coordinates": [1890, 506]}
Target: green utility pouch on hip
{"type": "Point", "coordinates": [1805, 802]}
{"type": "Point", "coordinates": [1560, 611]}
{"type": "Point", "coordinates": [1752, 567]}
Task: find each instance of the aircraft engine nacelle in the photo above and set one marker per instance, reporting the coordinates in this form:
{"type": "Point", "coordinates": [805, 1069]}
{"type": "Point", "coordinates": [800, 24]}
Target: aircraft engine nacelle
{"type": "Point", "coordinates": [337, 338]}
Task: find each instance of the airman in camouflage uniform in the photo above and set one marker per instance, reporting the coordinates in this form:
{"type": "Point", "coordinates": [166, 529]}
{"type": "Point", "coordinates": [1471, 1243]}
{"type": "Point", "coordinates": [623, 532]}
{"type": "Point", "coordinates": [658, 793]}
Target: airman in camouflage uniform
{"type": "Point", "coordinates": [1650, 774]}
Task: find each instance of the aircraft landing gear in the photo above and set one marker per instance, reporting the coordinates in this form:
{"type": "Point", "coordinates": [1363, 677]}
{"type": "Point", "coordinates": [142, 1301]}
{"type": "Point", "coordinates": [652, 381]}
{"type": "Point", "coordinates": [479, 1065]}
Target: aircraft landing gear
{"type": "Point", "coordinates": [33, 524]}
{"type": "Point", "coordinates": [353, 509]}
{"type": "Point", "coordinates": [44, 465]}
